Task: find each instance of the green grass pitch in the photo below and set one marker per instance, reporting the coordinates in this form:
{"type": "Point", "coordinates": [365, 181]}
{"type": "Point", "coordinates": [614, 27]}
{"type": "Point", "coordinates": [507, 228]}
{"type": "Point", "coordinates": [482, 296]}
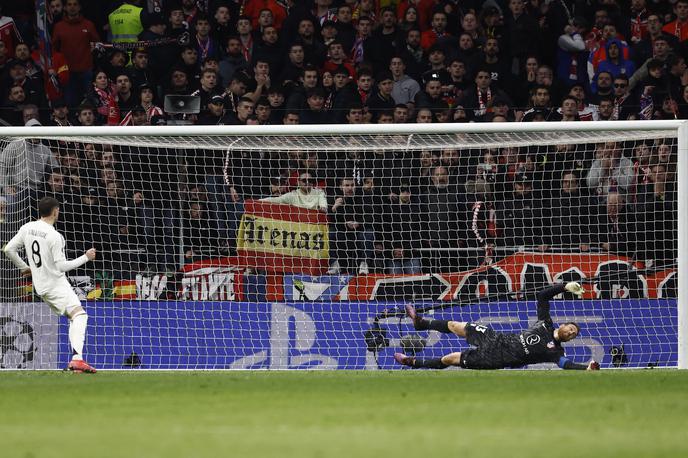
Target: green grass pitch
{"type": "Point", "coordinates": [344, 414]}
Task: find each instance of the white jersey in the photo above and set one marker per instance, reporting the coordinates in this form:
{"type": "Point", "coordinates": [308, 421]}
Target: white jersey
{"type": "Point", "coordinates": [45, 251]}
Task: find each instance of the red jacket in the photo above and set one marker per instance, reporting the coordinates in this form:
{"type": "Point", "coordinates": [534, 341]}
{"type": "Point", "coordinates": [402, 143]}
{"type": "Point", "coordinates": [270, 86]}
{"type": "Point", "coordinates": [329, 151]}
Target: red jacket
{"type": "Point", "coordinates": [253, 7]}
{"type": "Point", "coordinates": [73, 38]}
{"type": "Point", "coordinates": [62, 73]}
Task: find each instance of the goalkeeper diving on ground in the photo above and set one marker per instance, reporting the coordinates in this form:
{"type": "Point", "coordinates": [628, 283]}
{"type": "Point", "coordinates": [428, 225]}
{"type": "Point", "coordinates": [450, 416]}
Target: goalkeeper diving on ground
{"type": "Point", "coordinates": [540, 343]}
{"type": "Point", "coordinates": [47, 266]}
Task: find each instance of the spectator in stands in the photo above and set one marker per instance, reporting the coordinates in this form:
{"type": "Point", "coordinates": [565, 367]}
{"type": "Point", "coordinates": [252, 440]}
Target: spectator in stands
{"type": "Point", "coordinates": [178, 83]}
{"type": "Point", "coordinates": [401, 224]}
{"type": "Point", "coordinates": [617, 230]}
{"type": "Point", "coordinates": [23, 164]}
{"type": "Point", "coordinates": [522, 33]}
{"type": "Point", "coordinates": [657, 202]}
{"type": "Point", "coordinates": [16, 76]}
{"type": "Point", "coordinates": [206, 46]}
{"type": "Point", "coordinates": [70, 39]}
{"type": "Point", "coordinates": [567, 112]}
{"type": "Point", "coordinates": [643, 49]}
{"type": "Point", "coordinates": [520, 215]}
{"type": "Point", "coordinates": [124, 95]}
{"type": "Point", "coordinates": [244, 111]}
{"type": "Point", "coordinates": [233, 60]}
{"type": "Point", "coordinates": [263, 111]}
{"type": "Point", "coordinates": [11, 113]}
{"type": "Point", "coordinates": [307, 80]}
{"type": "Point", "coordinates": [424, 116]}
{"type": "Point", "coordinates": [661, 52]}
{"type": "Point", "coordinates": [478, 99]}
{"type": "Point", "coordinates": [315, 113]}
{"type": "Point", "coordinates": [208, 88]}
{"type": "Point", "coordinates": [101, 96]}
{"type": "Point", "coordinates": [336, 58]}
{"type": "Point", "coordinates": [382, 99]}
{"type": "Point", "coordinates": [269, 52]}
{"type": "Point", "coordinates": [30, 112]}
{"type": "Point", "coordinates": [380, 48]}
{"type": "Point", "coordinates": [401, 114]}
{"type": "Point", "coordinates": [305, 196]}
{"type": "Point", "coordinates": [139, 72]}
{"type": "Point", "coordinates": [201, 236]}
{"type": "Point", "coordinates": [443, 217]}
{"type": "Point", "coordinates": [610, 171]}
{"type": "Point", "coordinates": [315, 51]}
{"type": "Point", "coordinates": [405, 88]}
{"type": "Point", "coordinates": [679, 27]}
{"type": "Point", "coordinates": [569, 212]}
{"type": "Point", "coordinates": [602, 87]}
{"type": "Point", "coordinates": [291, 118]}
{"type": "Point", "coordinates": [86, 115]}
{"type": "Point", "coordinates": [349, 235]}
{"type": "Point", "coordinates": [615, 63]}
{"type": "Point", "coordinates": [431, 96]}
{"type": "Point", "coordinates": [626, 105]}
{"type": "Point", "coordinates": [409, 19]}
{"type": "Point", "coordinates": [489, 60]}
{"type": "Point", "coordinates": [54, 187]}
{"type": "Point", "coordinates": [605, 109]}
{"type": "Point", "coordinates": [294, 67]}
{"type": "Point", "coordinates": [60, 113]}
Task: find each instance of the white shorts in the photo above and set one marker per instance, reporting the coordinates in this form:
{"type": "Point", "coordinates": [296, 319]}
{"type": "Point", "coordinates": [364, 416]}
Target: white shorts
{"type": "Point", "coordinates": [62, 300]}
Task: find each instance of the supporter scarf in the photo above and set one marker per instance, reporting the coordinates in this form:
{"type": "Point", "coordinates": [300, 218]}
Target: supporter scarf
{"type": "Point", "coordinates": [484, 99]}
{"type": "Point", "coordinates": [617, 107]}
{"type": "Point", "coordinates": [357, 51]}
{"type": "Point", "coordinates": [247, 49]}
{"type": "Point", "coordinates": [203, 46]}
{"type": "Point", "coordinates": [639, 25]}
{"type": "Point", "coordinates": [364, 95]}
{"type": "Point", "coordinates": [105, 98]}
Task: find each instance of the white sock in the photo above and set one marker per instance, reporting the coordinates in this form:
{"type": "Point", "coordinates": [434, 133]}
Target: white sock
{"type": "Point", "coordinates": [77, 334]}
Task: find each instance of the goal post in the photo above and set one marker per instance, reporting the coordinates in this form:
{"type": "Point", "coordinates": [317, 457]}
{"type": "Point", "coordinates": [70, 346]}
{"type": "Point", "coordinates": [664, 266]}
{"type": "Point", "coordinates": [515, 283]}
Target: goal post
{"type": "Point", "coordinates": [314, 282]}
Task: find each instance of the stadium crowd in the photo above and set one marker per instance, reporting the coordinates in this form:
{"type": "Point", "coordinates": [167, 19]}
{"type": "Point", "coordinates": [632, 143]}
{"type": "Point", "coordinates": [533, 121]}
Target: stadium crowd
{"type": "Point", "coordinates": [368, 61]}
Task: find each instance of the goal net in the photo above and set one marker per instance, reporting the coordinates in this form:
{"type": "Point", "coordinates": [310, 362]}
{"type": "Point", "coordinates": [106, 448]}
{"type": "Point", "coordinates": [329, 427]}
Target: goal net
{"type": "Point", "coordinates": [295, 247]}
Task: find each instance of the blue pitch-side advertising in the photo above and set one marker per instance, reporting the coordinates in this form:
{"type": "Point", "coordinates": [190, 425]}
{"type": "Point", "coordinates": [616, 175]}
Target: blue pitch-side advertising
{"type": "Point", "coordinates": [314, 335]}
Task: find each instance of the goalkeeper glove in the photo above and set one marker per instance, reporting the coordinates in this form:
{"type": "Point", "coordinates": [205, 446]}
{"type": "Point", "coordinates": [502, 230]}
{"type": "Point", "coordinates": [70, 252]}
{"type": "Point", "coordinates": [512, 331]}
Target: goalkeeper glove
{"type": "Point", "coordinates": [574, 288]}
{"type": "Point", "coordinates": [594, 366]}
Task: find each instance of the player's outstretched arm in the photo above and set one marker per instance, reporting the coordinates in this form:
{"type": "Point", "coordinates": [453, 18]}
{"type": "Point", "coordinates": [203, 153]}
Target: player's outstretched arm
{"type": "Point", "coordinates": [65, 266]}
{"type": "Point", "coordinates": [544, 296]}
{"type": "Point", "coordinates": [567, 364]}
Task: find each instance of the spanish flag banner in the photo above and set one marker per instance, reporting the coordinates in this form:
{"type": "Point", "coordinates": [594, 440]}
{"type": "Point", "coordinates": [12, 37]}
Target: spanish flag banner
{"type": "Point", "coordinates": [283, 238]}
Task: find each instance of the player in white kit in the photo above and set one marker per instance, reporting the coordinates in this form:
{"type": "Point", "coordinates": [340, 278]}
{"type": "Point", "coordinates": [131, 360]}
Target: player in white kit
{"type": "Point", "coordinates": [47, 266]}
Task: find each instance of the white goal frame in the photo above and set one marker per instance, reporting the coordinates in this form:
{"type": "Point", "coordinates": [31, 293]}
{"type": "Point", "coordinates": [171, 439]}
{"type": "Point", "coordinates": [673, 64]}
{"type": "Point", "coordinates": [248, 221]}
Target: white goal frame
{"type": "Point", "coordinates": [680, 126]}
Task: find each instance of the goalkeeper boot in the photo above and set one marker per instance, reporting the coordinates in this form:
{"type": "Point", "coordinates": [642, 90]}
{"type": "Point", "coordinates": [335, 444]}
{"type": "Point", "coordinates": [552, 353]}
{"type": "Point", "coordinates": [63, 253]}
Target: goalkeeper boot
{"type": "Point", "coordinates": [417, 319]}
{"type": "Point", "coordinates": [403, 359]}
{"type": "Point", "coordinates": [79, 365]}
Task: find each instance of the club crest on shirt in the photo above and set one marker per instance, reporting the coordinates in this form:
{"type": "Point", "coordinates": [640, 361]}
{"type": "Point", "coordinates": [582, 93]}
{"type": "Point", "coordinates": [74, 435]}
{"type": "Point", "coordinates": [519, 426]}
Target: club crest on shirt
{"type": "Point", "coordinates": [550, 344]}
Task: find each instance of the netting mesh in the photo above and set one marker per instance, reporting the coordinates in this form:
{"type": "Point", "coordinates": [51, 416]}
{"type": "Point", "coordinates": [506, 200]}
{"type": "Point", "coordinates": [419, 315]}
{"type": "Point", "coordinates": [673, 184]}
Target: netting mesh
{"type": "Point", "coordinates": [308, 240]}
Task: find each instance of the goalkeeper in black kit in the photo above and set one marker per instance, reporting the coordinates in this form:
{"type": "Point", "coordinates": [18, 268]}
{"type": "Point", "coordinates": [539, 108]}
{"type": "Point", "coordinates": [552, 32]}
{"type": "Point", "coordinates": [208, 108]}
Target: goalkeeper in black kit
{"type": "Point", "coordinates": [540, 343]}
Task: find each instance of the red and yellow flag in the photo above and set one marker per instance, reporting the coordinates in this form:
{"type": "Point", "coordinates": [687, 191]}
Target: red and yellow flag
{"type": "Point", "coordinates": [283, 238]}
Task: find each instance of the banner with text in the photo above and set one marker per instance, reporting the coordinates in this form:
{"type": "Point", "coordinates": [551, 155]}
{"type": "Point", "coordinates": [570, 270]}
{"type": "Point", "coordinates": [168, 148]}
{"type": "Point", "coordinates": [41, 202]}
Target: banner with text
{"type": "Point", "coordinates": [283, 238]}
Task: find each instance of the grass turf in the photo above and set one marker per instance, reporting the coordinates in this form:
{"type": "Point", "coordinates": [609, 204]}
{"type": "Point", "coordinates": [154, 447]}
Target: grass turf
{"type": "Point", "coordinates": [344, 414]}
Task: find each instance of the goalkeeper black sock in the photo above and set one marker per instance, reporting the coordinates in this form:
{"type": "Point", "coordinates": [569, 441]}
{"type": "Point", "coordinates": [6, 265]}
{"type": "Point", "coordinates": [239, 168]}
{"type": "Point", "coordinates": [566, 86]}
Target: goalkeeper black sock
{"type": "Point", "coordinates": [436, 325]}
{"type": "Point", "coordinates": [428, 363]}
